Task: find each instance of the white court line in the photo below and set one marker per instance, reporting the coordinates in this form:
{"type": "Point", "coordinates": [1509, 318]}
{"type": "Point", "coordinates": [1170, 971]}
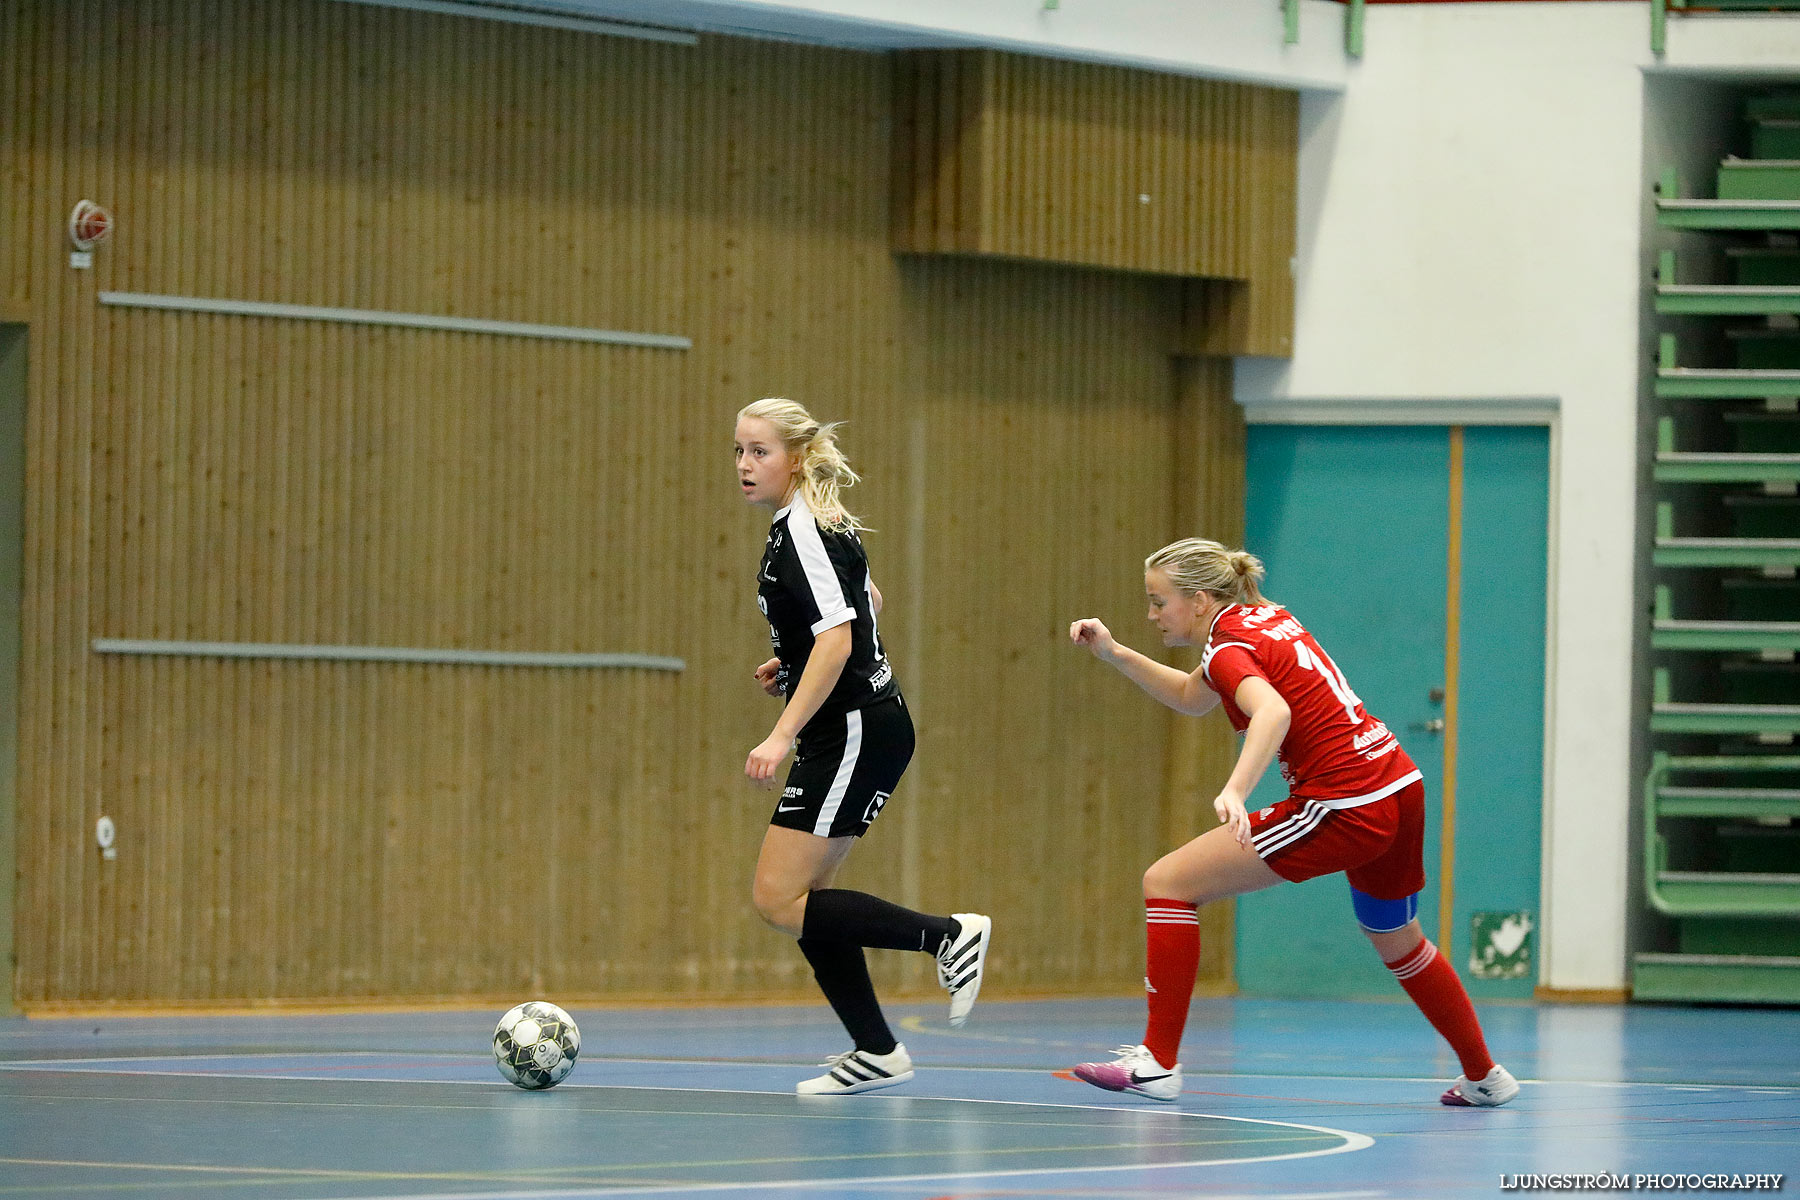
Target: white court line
{"type": "Point", "coordinates": [1350, 1141]}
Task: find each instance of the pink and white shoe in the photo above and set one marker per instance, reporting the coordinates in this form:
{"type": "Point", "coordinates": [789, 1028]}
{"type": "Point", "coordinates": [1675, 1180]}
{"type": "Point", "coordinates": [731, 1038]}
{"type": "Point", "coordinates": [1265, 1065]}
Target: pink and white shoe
{"type": "Point", "coordinates": [1490, 1091]}
{"type": "Point", "coordinates": [1134, 1070]}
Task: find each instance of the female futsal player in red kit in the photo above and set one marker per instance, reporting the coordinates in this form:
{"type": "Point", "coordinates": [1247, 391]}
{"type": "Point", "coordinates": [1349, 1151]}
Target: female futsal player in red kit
{"type": "Point", "coordinates": [1356, 804]}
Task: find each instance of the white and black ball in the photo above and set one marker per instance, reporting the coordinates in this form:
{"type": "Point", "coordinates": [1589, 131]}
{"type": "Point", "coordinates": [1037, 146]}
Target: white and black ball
{"type": "Point", "coordinates": [535, 1045]}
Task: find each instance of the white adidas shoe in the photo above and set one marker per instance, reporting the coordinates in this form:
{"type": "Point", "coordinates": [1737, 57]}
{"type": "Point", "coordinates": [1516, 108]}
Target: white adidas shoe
{"type": "Point", "coordinates": [1490, 1091]}
{"type": "Point", "coordinates": [859, 1071]}
{"type": "Point", "coordinates": [961, 962]}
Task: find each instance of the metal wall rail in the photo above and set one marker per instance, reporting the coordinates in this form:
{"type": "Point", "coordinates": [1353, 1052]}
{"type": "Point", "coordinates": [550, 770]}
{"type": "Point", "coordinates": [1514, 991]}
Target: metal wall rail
{"type": "Point", "coordinates": [405, 654]}
{"type": "Point", "coordinates": [369, 316]}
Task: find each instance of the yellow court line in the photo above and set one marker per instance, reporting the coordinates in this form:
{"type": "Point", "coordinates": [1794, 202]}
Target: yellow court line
{"type": "Point", "coordinates": [917, 1024]}
{"type": "Point", "coordinates": [1452, 668]}
{"type": "Point", "coordinates": [194, 1185]}
{"type": "Point", "coordinates": [294, 1172]}
{"type": "Point", "coordinates": [277, 1175]}
{"type": "Point", "coordinates": [93, 1189]}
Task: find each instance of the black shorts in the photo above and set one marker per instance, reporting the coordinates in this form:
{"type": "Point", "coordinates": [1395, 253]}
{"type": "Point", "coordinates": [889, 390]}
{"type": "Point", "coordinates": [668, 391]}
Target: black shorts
{"type": "Point", "coordinates": [845, 768]}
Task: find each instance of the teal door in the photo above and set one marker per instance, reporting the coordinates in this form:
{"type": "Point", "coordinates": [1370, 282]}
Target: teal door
{"type": "Point", "coordinates": [1359, 527]}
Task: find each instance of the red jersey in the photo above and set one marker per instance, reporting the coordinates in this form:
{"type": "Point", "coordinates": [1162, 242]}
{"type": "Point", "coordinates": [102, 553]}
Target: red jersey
{"type": "Point", "coordinates": [1334, 752]}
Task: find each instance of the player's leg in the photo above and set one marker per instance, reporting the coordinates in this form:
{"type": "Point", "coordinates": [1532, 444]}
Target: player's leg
{"type": "Point", "coordinates": [842, 973]}
{"type": "Point", "coordinates": [959, 941]}
{"type": "Point", "coordinates": [844, 771]}
{"type": "Point", "coordinates": [792, 864]}
{"type": "Point", "coordinates": [840, 781]}
{"type": "Point", "coordinates": [837, 788]}
{"type": "Point", "coordinates": [1210, 867]}
{"type": "Point", "coordinates": [1384, 895]}
{"type": "Point", "coordinates": [791, 892]}
{"type": "Point", "coordinates": [1432, 984]}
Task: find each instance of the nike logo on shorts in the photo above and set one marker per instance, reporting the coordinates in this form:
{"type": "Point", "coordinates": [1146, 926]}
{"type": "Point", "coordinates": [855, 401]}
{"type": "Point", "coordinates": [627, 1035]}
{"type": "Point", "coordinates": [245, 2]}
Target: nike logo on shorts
{"type": "Point", "coordinates": [789, 807]}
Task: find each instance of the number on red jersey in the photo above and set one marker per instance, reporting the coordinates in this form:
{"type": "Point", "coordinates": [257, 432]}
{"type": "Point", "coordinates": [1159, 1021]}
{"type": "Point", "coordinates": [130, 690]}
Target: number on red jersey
{"type": "Point", "coordinates": [1314, 658]}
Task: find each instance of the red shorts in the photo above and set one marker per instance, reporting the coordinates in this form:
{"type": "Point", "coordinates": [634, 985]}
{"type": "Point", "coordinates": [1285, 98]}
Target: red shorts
{"type": "Point", "coordinates": [1379, 846]}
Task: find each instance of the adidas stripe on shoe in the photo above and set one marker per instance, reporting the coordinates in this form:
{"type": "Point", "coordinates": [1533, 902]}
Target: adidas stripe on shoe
{"type": "Point", "coordinates": [961, 961]}
{"type": "Point", "coordinates": [859, 1071]}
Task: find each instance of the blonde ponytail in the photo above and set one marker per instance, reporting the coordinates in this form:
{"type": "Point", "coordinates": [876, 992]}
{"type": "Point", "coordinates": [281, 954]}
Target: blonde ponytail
{"type": "Point", "coordinates": [824, 472]}
{"type": "Point", "coordinates": [1198, 565]}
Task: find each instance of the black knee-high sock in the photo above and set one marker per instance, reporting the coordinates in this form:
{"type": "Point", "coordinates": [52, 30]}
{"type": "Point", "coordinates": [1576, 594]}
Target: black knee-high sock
{"type": "Point", "coordinates": [843, 976]}
{"type": "Point", "coordinates": [839, 915]}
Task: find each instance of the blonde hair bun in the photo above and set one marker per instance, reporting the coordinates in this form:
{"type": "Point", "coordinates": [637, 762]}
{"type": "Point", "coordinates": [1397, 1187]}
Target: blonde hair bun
{"type": "Point", "coordinates": [1200, 565]}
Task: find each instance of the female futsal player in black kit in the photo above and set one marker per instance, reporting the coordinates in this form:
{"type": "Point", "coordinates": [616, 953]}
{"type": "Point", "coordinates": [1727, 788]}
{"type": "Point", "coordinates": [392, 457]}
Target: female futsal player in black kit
{"type": "Point", "coordinates": [851, 736]}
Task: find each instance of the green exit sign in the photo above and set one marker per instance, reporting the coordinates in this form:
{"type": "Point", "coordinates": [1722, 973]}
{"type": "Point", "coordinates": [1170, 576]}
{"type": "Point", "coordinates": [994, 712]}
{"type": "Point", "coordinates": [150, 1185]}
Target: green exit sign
{"type": "Point", "coordinates": [1500, 945]}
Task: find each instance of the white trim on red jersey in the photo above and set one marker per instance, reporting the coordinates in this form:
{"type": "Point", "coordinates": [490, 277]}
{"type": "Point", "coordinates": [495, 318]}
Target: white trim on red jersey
{"type": "Point", "coordinates": [1313, 811]}
{"type": "Point", "coordinates": [1382, 793]}
{"type": "Point", "coordinates": [1206, 655]}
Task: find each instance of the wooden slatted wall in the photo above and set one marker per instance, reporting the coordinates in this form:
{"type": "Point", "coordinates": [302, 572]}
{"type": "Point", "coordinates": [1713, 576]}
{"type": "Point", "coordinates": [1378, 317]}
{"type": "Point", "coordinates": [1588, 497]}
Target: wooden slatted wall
{"type": "Point", "coordinates": [1207, 468]}
{"type": "Point", "coordinates": [1028, 157]}
{"type": "Point", "coordinates": [343, 832]}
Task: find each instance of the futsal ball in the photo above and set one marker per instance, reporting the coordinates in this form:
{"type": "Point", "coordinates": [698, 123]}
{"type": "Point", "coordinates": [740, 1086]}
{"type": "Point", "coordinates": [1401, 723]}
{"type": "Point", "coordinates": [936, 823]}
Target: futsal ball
{"type": "Point", "coordinates": [535, 1045]}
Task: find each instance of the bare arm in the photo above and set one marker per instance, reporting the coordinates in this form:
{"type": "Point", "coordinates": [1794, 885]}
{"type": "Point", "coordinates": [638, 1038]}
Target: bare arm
{"type": "Point", "coordinates": [1269, 720]}
{"type": "Point", "coordinates": [831, 650]}
{"type": "Point", "coordinates": [1183, 691]}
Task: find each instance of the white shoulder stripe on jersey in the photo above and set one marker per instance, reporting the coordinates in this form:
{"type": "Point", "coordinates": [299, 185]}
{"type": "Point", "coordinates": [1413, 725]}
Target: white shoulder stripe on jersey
{"type": "Point", "coordinates": [803, 529]}
{"type": "Point", "coordinates": [1206, 656]}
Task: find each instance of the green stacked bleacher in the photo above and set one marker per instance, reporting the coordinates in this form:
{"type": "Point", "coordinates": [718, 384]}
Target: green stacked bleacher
{"type": "Point", "coordinates": [1721, 839]}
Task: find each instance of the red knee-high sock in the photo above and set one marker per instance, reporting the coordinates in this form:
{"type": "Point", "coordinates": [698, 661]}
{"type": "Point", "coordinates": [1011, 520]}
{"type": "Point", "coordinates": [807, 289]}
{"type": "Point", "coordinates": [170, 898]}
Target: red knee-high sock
{"type": "Point", "coordinates": [1431, 981]}
{"type": "Point", "coordinates": [1172, 955]}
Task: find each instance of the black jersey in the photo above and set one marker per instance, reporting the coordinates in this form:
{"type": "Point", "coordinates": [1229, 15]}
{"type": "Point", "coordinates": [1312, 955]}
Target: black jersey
{"type": "Point", "coordinates": [811, 580]}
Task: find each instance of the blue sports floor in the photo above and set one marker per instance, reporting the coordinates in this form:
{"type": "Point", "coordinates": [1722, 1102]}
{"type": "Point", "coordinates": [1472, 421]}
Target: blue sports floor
{"type": "Point", "coordinates": [1298, 1099]}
